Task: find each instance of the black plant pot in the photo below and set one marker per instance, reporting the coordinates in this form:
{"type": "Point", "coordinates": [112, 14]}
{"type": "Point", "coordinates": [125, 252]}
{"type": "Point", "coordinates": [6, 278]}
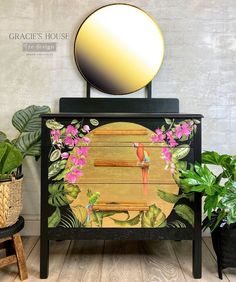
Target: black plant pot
{"type": "Point", "coordinates": [224, 244]}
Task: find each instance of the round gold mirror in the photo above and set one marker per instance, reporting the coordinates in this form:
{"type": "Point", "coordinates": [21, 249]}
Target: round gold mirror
{"type": "Point", "coordinates": [119, 49]}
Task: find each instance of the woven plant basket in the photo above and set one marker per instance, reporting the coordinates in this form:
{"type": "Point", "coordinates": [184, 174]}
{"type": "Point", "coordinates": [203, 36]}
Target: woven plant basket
{"type": "Point", "coordinates": [10, 202]}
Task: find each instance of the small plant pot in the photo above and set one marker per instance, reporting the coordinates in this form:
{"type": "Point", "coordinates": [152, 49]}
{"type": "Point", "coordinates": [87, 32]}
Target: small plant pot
{"type": "Point", "coordinates": [224, 244]}
{"type": "Point", "coordinates": [10, 201]}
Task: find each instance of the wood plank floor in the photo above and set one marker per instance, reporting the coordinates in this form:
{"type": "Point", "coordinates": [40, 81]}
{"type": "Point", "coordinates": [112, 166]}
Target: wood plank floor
{"type": "Point", "coordinates": [118, 261]}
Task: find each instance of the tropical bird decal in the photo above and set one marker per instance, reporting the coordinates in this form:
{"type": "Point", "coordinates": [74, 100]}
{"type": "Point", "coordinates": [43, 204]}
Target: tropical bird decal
{"type": "Point", "coordinates": [93, 197]}
{"type": "Point", "coordinates": [144, 159]}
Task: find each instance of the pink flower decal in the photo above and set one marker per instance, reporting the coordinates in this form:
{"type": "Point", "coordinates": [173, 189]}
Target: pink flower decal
{"type": "Point", "coordinates": [77, 140]}
{"type": "Point", "coordinates": [186, 129]}
{"type": "Point", "coordinates": [167, 155]}
{"type": "Point", "coordinates": [55, 135]}
{"type": "Point", "coordinates": [86, 128]}
{"type": "Point", "coordinates": [77, 172]}
{"type": "Point", "coordinates": [71, 130]}
{"type": "Point", "coordinates": [69, 141]}
{"type": "Point", "coordinates": [178, 131]}
{"type": "Point", "coordinates": [169, 134]}
{"type": "Point", "coordinates": [159, 136]}
{"type": "Point", "coordinates": [64, 155]}
{"type": "Point", "coordinates": [86, 140]}
{"type": "Point", "coordinates": [72, 176]}
{"type": "Point", "coordinates": [78, 162]}
{"type": "Point", "coordinates": [173, 143]}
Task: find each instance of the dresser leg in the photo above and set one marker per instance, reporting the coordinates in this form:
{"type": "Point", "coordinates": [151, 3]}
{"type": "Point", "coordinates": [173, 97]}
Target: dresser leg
{"type": "Point", "coordinates": [44, 258]}
{"type": "Point", "coordinates": [197, 258]}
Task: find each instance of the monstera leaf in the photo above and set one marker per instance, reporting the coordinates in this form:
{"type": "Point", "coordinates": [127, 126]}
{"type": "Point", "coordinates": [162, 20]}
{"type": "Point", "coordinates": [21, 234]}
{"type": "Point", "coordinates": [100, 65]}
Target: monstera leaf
{"type": "Point", "coordinates": [154, 217]}
{"type": "Point", "coordinates": [28, 119]}
{"type": "Point", "coordinates": [58, 195]}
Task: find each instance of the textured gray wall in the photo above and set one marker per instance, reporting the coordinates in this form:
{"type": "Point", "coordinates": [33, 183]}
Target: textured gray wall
{"type": "Point", "coordinates": [199, 66]}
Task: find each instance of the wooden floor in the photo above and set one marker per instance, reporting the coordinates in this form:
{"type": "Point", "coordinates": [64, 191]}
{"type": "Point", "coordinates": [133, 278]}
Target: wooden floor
{"type": "Point", "coordinates": [118, 261]}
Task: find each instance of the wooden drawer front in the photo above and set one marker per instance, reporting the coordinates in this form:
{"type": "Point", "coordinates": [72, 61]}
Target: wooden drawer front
{"type": "Point", "coordinates": [125, 178]}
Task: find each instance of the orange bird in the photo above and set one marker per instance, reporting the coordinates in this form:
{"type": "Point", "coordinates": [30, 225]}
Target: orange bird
{"type": "Point", "coordinates": [144, 158]}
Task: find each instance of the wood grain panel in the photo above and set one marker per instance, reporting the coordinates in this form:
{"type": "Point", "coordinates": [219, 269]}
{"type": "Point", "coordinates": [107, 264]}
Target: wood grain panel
{"type": "Point", "coordinates": [83, 262]}
{"type": "Point", "coordinates": [209, 268]}
{"type": "Point", "coordinates": [121, 165]}
{"type": "Point", "coordinates": [120, 132]}
{"type": "Point", "coordinates": [159, 263]}
{"type": "Point", "coordinates": [125, 195]}
{"type": "Point", "coordinates": [121, 262]}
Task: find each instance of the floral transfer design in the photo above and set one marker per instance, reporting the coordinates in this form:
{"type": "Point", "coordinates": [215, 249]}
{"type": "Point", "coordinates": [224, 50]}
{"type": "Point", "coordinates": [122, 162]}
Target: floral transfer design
{"type": "Point", "coordinates": [68, 156]}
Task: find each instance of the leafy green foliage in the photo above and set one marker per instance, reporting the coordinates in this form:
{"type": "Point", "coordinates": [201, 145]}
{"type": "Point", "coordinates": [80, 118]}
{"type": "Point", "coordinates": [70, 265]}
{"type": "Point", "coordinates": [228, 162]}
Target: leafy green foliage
{"type": "Point", "coordinates": [59, 194]}
{"type": "Point", "coordinates": [69, 220]}
{"type": "Point", "coordinates": [173, 198]}
{"type": "Point", "coordinates": [180, 152]}
{"type": "Point", "coordinates": [185, 212]}
{"type": "Point", "coordinates": [129, 222]}
{"type": "Point", "coordinates": [54, 219]}
{"type": "Point", "coordinates": [27, 143]}
{"type": "Point", "coordinates": [3, 136]}
{"type": "Point", "coordinates": [154, 217]}
{"type": "Point", "coordinates": [168, 197]}
{"type": "Point", "coordinates": [56, 167]}
{"type": "Point", "coordinates": [176, 224]}
{"type": "Point", "coordinates": [219, 190]}
{"type": "Point", "coordinates": [97, 216]}
{"type": "Point", "coordinates": [28, 119]}
{"type": "Point", "coordinates": [10, 159]}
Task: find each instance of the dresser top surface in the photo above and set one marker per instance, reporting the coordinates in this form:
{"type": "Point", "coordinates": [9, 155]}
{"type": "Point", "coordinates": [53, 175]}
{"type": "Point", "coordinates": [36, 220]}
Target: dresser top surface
{"type": "Point", "coordinates": [122, 115]}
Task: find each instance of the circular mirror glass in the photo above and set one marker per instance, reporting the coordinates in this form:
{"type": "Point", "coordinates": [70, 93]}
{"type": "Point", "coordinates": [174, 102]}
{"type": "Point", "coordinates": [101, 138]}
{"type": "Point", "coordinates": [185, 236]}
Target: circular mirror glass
{"type": "Point", "coordinates": [119, 49]}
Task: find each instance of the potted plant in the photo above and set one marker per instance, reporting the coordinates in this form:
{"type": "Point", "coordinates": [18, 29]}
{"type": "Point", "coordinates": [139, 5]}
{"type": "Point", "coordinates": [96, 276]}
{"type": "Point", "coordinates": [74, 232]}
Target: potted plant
{"type": "Point", "coordinates": [12, 153]}
{"type": "Point", "coordinates": [219, 191]}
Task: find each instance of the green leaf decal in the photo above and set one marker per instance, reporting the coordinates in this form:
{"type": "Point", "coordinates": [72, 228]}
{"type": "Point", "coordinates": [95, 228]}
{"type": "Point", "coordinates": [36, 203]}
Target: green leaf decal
{"type": "Point", "coordinates": [94, 122]}
{"type": "Point", "coordinates": [80, 213]}
{"type": "Point", "coordinates": [168, 197]}
{"type": "Point", "coordinates": [58, 196]}
{"type": "Point", "coordinates": [54, 219]}
{"type": "Point", "coordinates": [55, 155]}
{"type": "Point", "coordinates": [56, 167]}
{"type": "Point", "coordinates": [97, 216]}
{"type": "Point", "coordinates": [69, 220]}
{"type": "Point", "coordinates": [153, 217]}
{"type": "Point", "coordinates": [168, 121]}
{"type": "Point", "coordinates": [52, 124]}
{"type": "Point", "coordinates": [185, 212]}
{"type": "Point", "coordinates": [29, 143]}
{"type": "Point", "coordinates": [180, 152]}
{"type": "Point", "coordinates": [130, 222]}
{"type": "Point", "coordinates": [28, 120]}
{"type": "Point", "coordinates": [176, 224]}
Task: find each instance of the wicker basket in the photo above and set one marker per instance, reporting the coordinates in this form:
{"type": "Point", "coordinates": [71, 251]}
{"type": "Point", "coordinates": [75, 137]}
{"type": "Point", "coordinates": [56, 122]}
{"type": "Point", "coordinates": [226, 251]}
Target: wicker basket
{"type": "Point", "coordinates": [10, 202]}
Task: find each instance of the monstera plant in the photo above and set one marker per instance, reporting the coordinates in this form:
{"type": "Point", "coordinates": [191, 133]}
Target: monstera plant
{"type": "Point", "coordinates": [27, 143]}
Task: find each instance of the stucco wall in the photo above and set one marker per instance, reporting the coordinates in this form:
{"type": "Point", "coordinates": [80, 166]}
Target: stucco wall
{"type": "Point", "coordinates": [199, 67]}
